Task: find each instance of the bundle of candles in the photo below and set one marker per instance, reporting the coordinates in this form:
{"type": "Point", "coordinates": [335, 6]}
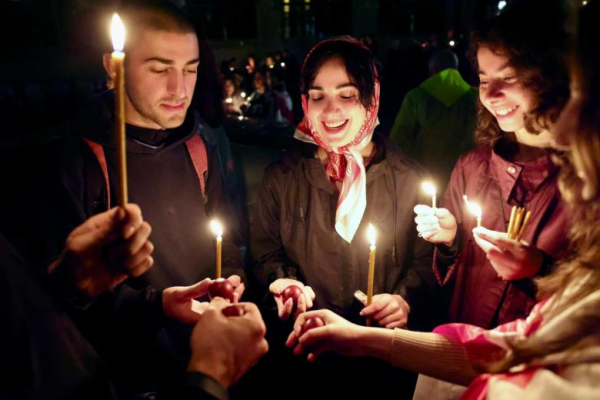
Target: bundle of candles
{"type": "Point", "coordinates": [517, 224]}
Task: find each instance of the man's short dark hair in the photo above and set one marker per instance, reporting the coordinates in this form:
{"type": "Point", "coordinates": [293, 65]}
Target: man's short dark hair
{"type": "Point", "coordinates": [158, 15]}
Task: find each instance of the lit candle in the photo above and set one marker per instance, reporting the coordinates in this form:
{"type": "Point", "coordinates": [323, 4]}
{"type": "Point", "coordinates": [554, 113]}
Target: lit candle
{"type": "Point", "coordinates": [243, 94]}
{"type": "Point", "coordinates": [217, 229]}
{"type": "Point", "coordinates": [371, 235]}
{"type": "Point", "coordinates": [429, 188]}
{"type": "Point", "coordinates": [229, 100]}
{"type": "Point", "coordinates": [117, 32]}
{"type": "Point", "coordinates": [475, 209]}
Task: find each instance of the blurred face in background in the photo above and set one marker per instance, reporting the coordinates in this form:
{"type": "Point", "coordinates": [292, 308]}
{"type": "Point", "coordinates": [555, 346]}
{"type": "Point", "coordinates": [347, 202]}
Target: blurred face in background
{"type": "Point", "coordinates": [229, 87]}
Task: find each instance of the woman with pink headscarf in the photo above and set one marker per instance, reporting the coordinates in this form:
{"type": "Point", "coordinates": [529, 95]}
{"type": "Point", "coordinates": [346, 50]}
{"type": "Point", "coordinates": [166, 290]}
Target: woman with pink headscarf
{"type": "Point", "coordinates": [316, 203]}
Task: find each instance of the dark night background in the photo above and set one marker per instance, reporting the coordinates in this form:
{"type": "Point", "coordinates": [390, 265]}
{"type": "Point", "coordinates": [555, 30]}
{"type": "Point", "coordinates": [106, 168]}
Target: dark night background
{"type": "Point", "coordinates": [51, 50]}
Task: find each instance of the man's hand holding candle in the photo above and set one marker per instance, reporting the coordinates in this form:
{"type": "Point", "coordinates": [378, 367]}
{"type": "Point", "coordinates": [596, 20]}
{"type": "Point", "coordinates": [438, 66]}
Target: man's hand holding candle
{"type": "Point", "coordinates": [512, 259]}
{"type": "Point", "coordinates": [107, 249]}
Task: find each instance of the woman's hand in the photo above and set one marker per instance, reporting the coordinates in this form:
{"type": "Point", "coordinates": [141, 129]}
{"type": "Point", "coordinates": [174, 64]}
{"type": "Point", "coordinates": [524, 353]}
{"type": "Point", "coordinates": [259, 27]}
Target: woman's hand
{"type": "Point", "coordinates": [284, 310]}
{"type": "Point", "coordinates": [435, 225]}
{"type": "Point", "coordinates": [337, 335]}
{"type": "Point", "coordinates": [389, 310]}
{"type": "Point", "coordinates": [512, 260]}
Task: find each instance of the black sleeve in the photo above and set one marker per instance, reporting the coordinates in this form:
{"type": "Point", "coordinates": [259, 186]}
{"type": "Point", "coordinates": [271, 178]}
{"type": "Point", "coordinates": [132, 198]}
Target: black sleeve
{"type": "Point", "coordinates": [43, 354]}
{"type": "Point", "coordinates": [445, 256]}
{"type": "Point", "coordinates": [218, 206]}
{"type": "Point", "coordinates": [198, 386]}
{"type": "Point", "coordinates": [267, 248]}
{"type": "Point", "coordinates": [418, 287]}
{"type": "Point", "coordinates": [59, 203]}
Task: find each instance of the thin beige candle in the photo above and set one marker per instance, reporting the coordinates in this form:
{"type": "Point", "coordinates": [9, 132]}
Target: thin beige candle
{"type": "Point", "coordinates": [525, 222]}
{"type": "Point", "coordinates": [371, 234]}
{"type": "Point", "coordinates": [511, 221]}
{"type": "Point", "coordinates": [118, 66]}
{"type": "Point", "coordinates": [518, 221]}
{"type": "Point", "coordinates": [218, 231]}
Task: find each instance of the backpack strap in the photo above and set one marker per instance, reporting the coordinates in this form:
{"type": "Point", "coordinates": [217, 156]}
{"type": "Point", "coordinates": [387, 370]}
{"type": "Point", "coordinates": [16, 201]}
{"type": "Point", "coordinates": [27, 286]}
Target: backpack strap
{"type": "Point", "coordinates": [195, 147]}
{"type": "Point", "coordinates": [197, 151]}
{"type": "Point", "coordinates": [98, 151]}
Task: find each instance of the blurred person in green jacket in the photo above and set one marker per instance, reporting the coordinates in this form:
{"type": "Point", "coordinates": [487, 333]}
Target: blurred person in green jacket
{"type": "Point", "coordinates": [436, 121]}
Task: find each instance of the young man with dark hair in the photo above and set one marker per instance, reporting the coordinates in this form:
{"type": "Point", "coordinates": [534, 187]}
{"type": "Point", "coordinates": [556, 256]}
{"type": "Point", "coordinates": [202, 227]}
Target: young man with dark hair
{"type": "Point", "coordinates": [175, 178]}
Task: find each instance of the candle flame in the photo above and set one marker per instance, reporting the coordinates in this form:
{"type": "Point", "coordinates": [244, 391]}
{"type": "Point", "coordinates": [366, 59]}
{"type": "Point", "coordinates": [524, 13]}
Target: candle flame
{"type": "Point", "coordinates": [474, 208]}
{"type": "Point", "coordinates": [117, 33]}
{"type": "Point", "coordinates": [429, 188]}
{"type": "Point", "coordinates": [229, 100]}
{"type": "Point", "coordinates": [216, 227]}
{"type": "Point", "coordinates": [372, 235]}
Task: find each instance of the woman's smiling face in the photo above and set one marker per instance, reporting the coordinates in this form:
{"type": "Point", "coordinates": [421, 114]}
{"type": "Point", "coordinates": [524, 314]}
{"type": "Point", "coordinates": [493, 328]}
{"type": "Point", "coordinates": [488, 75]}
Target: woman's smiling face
{"type": "Point", "coordinates": [334, 107]}
{"type": "Point", "coordinates": [501, 91]}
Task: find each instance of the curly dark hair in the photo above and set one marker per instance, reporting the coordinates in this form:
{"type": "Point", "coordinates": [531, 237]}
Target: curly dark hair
{"type": "Point", "coordinates": [361, 65]}
{"type": "Point", "coordinates": [536, 47]}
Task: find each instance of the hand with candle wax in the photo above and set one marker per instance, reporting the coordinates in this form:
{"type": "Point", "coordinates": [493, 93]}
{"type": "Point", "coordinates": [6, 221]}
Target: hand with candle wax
{"type": "Point", "coordinates": [435, 225]}
{"type": "Point", "coordinates": [304, 302]}
{"type": "Point", "coordinates": [512, 259]}
{"type": "Point", "coordinates": [389, 310]}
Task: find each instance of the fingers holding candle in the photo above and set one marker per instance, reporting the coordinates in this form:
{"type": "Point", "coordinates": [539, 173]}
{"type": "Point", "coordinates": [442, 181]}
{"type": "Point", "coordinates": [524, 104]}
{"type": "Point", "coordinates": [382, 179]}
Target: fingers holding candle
{"type": "Point", "coordinates": [389, 310]}
{"type": "Point", "coordinates": [435, 225]}
{"type": "Point", "coordinates": [511, 259]}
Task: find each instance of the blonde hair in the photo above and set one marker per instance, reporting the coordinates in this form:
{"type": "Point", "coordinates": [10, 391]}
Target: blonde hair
{"type": "Point", "coordinates": [579, 184]}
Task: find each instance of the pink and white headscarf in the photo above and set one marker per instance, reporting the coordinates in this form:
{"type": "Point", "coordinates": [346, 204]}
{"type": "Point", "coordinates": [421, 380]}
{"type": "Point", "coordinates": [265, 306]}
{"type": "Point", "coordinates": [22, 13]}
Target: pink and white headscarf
{"type": "Point", "coordinates": [345, 164]}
